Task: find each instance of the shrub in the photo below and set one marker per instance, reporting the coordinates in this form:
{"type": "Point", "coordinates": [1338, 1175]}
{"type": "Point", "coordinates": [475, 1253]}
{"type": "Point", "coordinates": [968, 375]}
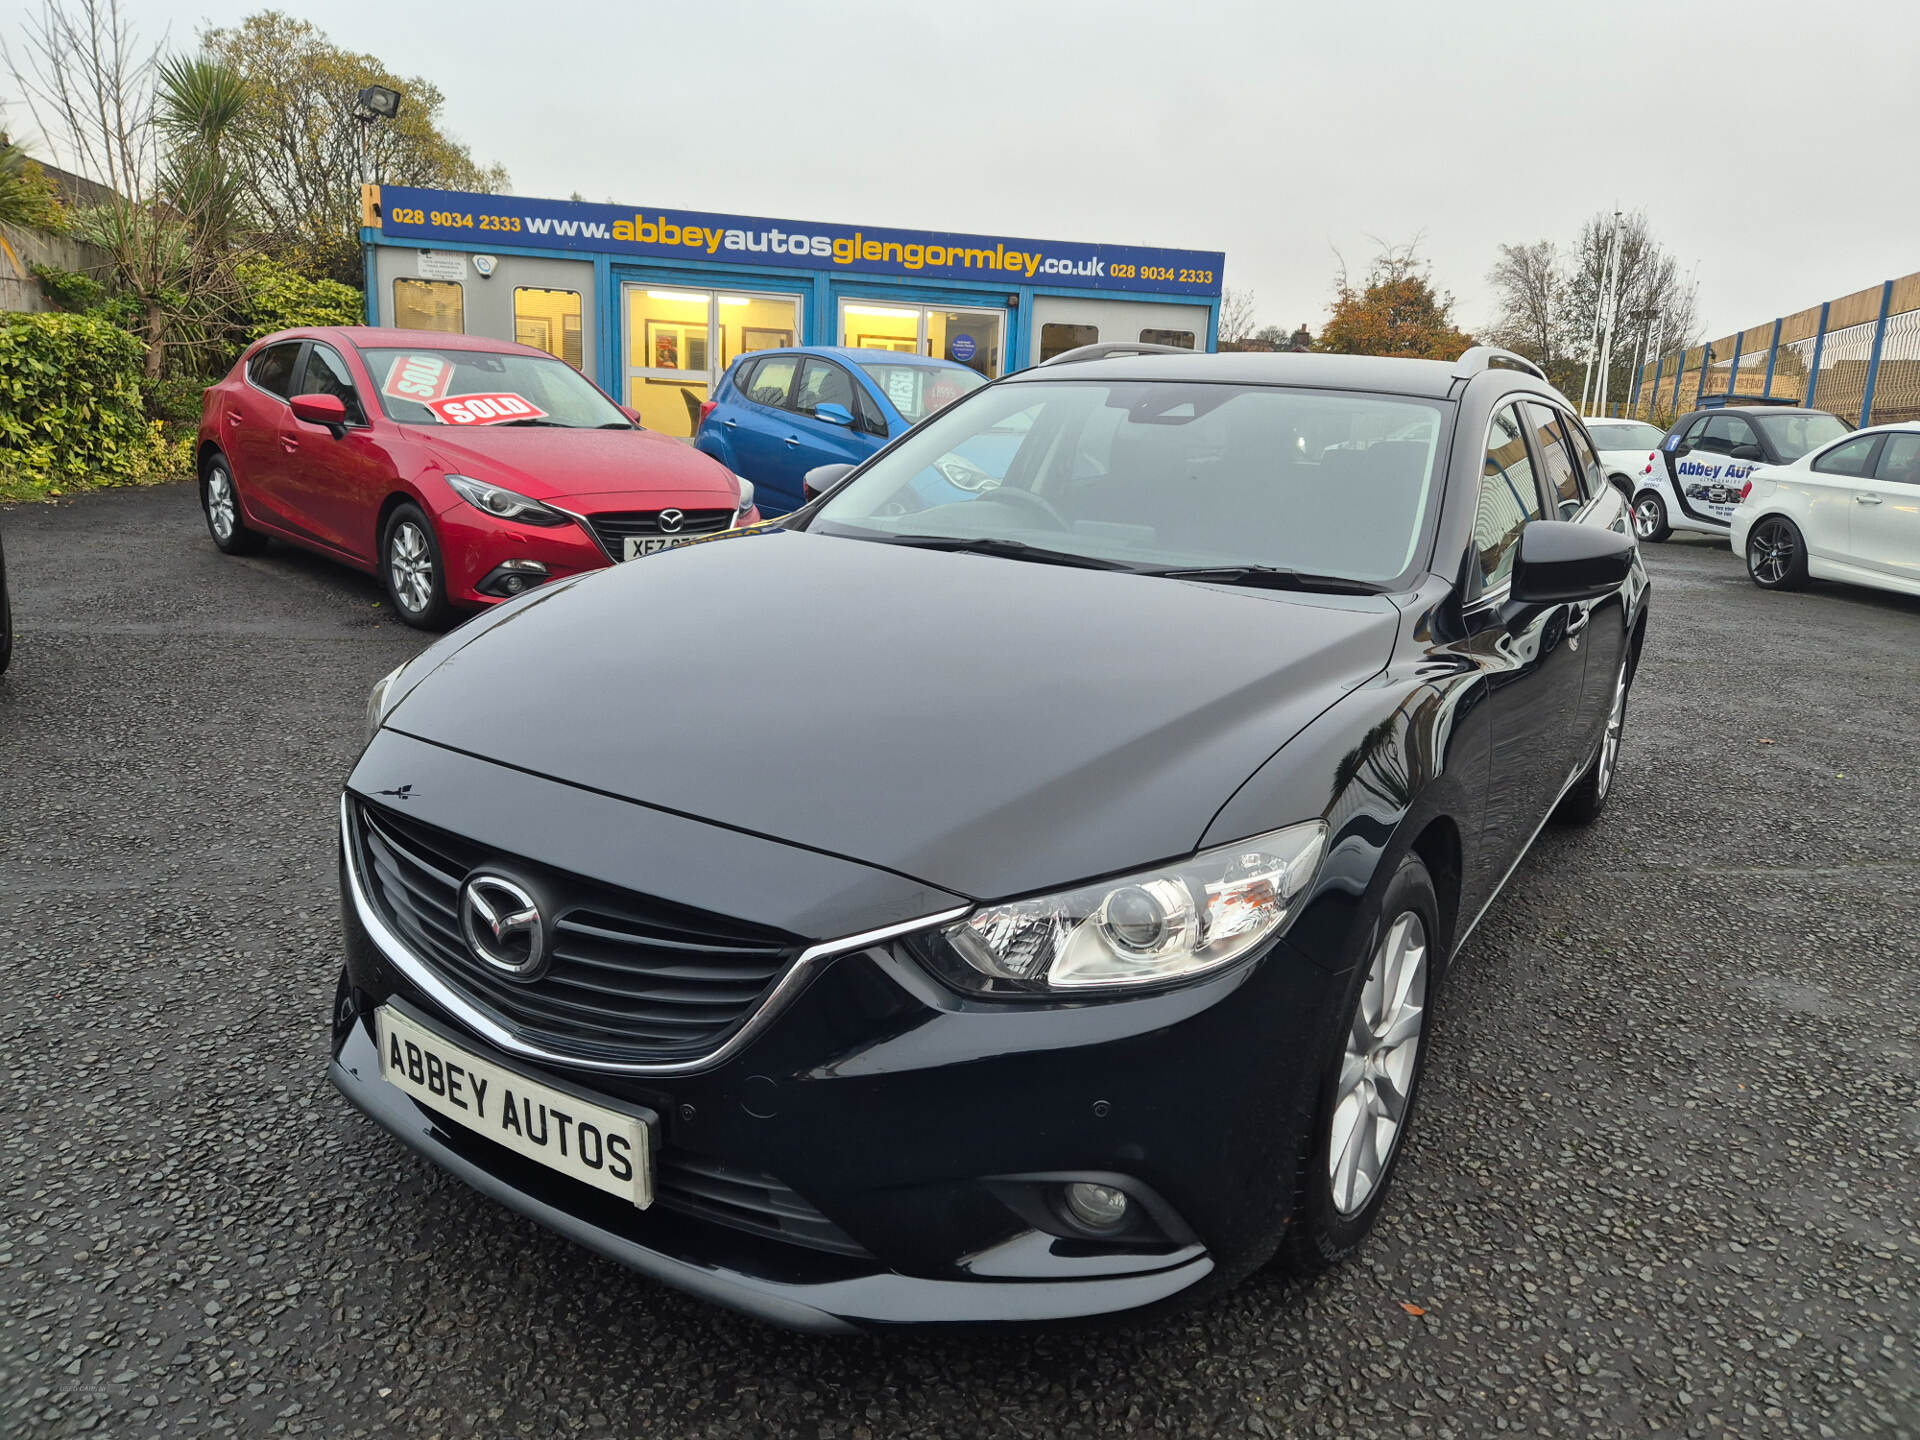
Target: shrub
{"type": "Point", "coordinates": [71, 411]}
{"type": "Point", "coordinates": [280, 298]}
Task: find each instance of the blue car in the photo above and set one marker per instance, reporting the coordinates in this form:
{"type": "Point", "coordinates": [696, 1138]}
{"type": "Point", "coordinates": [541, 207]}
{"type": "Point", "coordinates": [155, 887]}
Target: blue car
{"type": "Point", "coordinates": [779, 413]}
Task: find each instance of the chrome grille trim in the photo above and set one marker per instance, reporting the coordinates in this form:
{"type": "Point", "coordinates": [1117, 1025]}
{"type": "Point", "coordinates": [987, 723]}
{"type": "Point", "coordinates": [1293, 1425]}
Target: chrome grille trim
{"type": "Point", "coordinates": [452, 1002]}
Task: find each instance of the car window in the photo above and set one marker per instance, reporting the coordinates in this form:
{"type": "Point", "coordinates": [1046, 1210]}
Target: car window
{"type": "Point", "coordinates": [1563, 482]}
{"type": "Point", "coordinates": [1795, 435]}
{"type": "Point", "coordinates": [424, 386]}
{"type": "Point", "coordinates": [918, 390]}
{"type": "Point", "coordinates": [1593, 474]}
{"type": "Point", "coordinates": [1852, 457]}
{"type": "Point", "coordinates": [1726, 432]}
{"type": "Point", "coordinates": [772, 380]}
{"type": "Point", "coordinates": [823, 383]}
{"type": "Point", "coordinates": [1900, 459]}
{"type": "Point", "coordinates": [327, 374]}
{"type": "Point", "coordinates": [1624, 434]}
{"type": "Point", "coordinates": [1508, 499]}
{"type": "Point", "coordinates": [1691, 435]}
{"type": "Point", "coordinates": [272, 368]}
{"type": "Point", "coordinates": [1159, 474]}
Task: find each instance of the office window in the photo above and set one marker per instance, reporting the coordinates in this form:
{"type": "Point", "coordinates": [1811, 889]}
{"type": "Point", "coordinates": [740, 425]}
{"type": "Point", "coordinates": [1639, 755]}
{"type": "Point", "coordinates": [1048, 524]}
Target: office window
{"type": "Point", "coordinates": [548, 320]}
{"type": "Point", "coordinates": [1057, 339]}
{"type": "Point", "coordinates": [429, 305]}
{"type": "Point", "coordinates": [1182, 338]}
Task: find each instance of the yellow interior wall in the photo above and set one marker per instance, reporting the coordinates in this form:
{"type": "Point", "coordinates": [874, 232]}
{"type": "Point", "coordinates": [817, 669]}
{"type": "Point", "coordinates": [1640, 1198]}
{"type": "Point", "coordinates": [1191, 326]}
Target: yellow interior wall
{"type": "Point", "coordinates": [549, 320]}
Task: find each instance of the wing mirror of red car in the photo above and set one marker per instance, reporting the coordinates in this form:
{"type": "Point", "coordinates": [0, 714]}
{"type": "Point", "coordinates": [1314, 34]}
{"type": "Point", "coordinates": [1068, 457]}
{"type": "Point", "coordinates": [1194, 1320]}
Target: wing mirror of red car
{"type": "Point", "coordinates": [327, 410]}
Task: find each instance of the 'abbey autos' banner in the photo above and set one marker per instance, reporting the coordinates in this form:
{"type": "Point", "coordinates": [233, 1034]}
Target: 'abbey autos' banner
{"type": "Point", "coordinates": [482, 222]}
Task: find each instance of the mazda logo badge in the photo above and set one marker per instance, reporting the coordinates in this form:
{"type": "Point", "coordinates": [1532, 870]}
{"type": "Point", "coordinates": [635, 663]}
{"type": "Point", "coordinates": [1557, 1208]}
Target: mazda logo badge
{"type": "Point", "coordinates": [672, 520]}
{"type": "Point", "coordinates": [503, 925]}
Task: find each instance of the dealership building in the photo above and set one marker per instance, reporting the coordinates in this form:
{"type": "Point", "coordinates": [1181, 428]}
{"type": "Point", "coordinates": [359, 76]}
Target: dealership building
{"type": "Point", "coordinates": [655, 304]}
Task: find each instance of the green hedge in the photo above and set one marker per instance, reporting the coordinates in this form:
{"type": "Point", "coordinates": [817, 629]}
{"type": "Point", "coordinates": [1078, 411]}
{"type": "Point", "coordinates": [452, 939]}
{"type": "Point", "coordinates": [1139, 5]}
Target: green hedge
{"type": "Point", "coordinates": [71, 413]}
{"type": "Point", "coordinates": [279, 298]}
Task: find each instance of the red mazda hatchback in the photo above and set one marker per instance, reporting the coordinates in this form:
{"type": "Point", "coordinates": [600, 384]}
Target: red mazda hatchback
{"type": "Point", "coordinates": [459, 470]}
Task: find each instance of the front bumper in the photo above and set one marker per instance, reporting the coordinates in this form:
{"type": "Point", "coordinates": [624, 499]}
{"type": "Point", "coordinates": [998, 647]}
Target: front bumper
{"type": "Point", "coordinates": [925, 1127]}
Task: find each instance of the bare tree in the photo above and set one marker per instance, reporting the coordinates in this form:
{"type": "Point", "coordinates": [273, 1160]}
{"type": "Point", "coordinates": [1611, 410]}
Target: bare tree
{"type": "Point", "coordinates": [1236, 315]}
{"type": "Point", "coordinates": [109, 107]}
{"type": "Point", "coordinates": [1532, 315]}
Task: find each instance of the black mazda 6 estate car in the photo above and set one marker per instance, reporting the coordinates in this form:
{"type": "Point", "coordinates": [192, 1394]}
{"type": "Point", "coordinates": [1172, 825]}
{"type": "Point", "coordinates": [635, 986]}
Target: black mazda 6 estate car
{"type": "Point", "coordinates": [1045, 920]}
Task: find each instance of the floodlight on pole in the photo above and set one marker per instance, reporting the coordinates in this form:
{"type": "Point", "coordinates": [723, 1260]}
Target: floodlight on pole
{"type": "Point", "coordinates": [375, 102]}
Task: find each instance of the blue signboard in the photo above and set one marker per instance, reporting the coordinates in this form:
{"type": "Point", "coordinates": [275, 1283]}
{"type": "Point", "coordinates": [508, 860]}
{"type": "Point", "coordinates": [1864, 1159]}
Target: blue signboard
{"type": "Point", "coordinates": [452, 217]}
{"type": "Point", "coordinates": [962, 348]}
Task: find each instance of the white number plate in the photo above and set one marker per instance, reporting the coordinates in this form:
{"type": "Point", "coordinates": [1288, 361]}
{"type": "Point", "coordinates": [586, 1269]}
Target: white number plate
{"type": "Point", "coordinates": [606, 1148]}
{"type": "Point", "coordinates": [634, 546]}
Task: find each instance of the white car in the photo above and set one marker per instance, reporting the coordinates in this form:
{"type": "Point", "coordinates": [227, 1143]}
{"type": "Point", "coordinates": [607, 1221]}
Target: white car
{"type": "Point", "coordinates": [1693, 481]}
{"type": "Point", "coordinates": [1625, 447]}
{"type": "Point", "coordinates": [1849, 511]}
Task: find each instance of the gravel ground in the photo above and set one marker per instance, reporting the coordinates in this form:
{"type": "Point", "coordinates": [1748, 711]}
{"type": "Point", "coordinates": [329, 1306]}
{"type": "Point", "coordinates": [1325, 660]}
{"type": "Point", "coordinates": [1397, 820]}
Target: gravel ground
{"type": "Point", "coordinates": [1663, 1182]}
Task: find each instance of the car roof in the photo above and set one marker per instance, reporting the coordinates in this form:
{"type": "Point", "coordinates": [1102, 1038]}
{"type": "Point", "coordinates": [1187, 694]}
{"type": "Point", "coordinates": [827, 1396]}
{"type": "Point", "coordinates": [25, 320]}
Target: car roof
{"type": "Point", "coordinates": [1430, 379]}
{"type": "Point", "coordinates": [859, 355]}
{"type": "Point", "coordinates": [1754, 410]}
{"type": "Point", "coordinates": [378, 337]}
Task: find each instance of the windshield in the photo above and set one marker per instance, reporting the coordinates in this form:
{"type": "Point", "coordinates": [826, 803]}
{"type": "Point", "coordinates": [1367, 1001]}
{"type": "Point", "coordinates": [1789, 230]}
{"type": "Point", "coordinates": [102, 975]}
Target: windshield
{"type": "Point", "coordinates": [1158, 475]}
{"type": "Point", "coordinates": [1794, 435]}
{"type": "Point", "coordinates": [425, 386]}
{"type": "Point", "coordinates": [918, 390]}
{"type": "Point", "coordinates": [1625, 435]}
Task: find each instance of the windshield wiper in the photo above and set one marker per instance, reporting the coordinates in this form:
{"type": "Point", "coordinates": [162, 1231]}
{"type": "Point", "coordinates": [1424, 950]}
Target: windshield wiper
{"type": "Point", "coordinates": [1270, 577]}
{"type": "Point", "coordinates": [617, 425]}
{"type": "Point", "coordinates": [555, 423]}
{"type": "Point", "coordinates": [1006, 550]}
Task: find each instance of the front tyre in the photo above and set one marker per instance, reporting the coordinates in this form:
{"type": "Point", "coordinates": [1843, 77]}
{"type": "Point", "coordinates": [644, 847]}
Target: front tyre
{"type": "Point", "coordinates": [1588, 797]}
{"type": "Point", "coordinates": [1371, 1079]}
{"type": "Point", "coordinates": [410, 565]}
{"type": "Point", "coordinates": [1650, 518]}
{"type": "Point", "coordinates": [220, 502]}
{"type": "Point", "coordinates": [1777, 554]}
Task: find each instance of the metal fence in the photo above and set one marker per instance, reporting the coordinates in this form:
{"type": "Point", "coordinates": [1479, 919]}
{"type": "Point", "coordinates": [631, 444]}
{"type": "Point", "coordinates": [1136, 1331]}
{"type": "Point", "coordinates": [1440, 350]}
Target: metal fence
{"type": "Point", "coordinates": [1858, 356]}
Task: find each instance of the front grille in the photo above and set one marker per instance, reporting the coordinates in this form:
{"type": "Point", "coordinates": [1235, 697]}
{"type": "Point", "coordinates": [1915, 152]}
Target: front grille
{"type": "Point", "coordinates": [632, 978]}
{"type": "Point", "coordinates": [743, 1200]}
{"type": "Point", "coordinates": [613, 530]}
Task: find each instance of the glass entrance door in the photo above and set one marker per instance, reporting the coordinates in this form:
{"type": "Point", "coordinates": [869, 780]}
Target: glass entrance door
{"type": "Point", "coordinates": [679, 342]}
{"type": "Point", "coordinates": [974, 338]}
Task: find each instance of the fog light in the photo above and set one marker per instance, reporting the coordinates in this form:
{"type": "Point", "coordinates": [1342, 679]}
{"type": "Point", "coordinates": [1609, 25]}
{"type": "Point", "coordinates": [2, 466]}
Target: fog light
{"type": "Point", "coordinates": [515, 584]}
{"type": "Point", "coordinates": [1098, 1207]}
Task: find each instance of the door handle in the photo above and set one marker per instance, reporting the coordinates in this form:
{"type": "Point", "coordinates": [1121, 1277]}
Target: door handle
{"type": "Point", "coordinates": [793, 439]}
{"type": "Point", "coordinates": [731, 424]}
{"type": "Point", "coordinates": [289, 445]}
{"type": "Point", "coordinates": [1867, 499]}
{"type": "Point", "coordinates": [233, 417]}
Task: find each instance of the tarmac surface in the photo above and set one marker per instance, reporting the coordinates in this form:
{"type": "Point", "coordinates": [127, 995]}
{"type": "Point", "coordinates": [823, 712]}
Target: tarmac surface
{"type": "Point", "coordinates": [1663, 1181]}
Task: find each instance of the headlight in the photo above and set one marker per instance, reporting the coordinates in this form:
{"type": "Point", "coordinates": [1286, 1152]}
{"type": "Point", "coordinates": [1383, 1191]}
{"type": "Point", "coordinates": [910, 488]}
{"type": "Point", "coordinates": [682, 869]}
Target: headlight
{"type": "Point", "coordinates": [377, 703]}
{"type": "Point", "coordinates": [504, 504]}
{"type": "Point", "coordinates": [1144, 929]}
{"type": "Point", "coordinates": [746, 498]}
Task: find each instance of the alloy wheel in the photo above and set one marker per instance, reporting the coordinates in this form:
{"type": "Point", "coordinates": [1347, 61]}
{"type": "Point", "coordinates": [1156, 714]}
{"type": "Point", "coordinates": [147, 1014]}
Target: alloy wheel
{"type": "Point", "coordinates": [1646, 518]}
{"type": "Point", "coordinates": [410, 563]}
{"type": "Point", "coordinates": [1376, 1076]}
{"type": "Point", "coordinates": [1610, 742]}
{"type": "Point", "coordinates": [221, 513]}
{"type": "Point", "coordinates": [1770, 552]}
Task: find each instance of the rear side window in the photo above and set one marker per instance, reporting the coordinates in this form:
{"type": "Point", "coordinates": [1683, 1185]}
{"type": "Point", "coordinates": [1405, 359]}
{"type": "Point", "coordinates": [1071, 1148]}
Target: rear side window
{"type": "Point", "coordinates": [1509, 498]}
{"type": "Point", "coordinates": [1592, 474]}
{"type": "Point", "coordinates": [272, 368]}
{"type": "Point", "coordinates": [1556, 459]}
{"type": "Point", "coordinates": [1181, 339]}
{"type": "Point", "coordinates": [1900, 461]}
{"type": "Point", "coordinates": [1854, 458]}
{"type": "Point", "coordinates": [772, 380]}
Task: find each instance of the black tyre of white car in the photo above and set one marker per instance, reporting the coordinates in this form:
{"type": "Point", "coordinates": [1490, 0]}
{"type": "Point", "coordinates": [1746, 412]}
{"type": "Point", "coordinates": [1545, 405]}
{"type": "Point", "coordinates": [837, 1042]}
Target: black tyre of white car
{"type": "Point", "coordinates": [1590, 792]}
{"type": "Point", "coordinates": [220, 502]}
{"type": "Point", "coordinates": [410, 565]}
{"type": "Point", "coordinates": [1371, 1079]}
{"type": "Point", "coordinates": [1777, 554]}
{"type": "Point", "coordinates": [1650, 517]}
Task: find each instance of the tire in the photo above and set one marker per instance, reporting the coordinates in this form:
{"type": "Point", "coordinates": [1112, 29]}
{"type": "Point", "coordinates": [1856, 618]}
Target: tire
{"type": "Point", "coordinates": [1336, 1202]}
{"type": "Point", "coordinates": [220, 503]}
{"type": "Point", "coordinates": [1777, 554]}
{"type": "Point", "coordinates": [1589, 794]}
{"type": "Point", "coordinates": [412, 570]}
{"type": "Point", "coordinates": [1650, 518]}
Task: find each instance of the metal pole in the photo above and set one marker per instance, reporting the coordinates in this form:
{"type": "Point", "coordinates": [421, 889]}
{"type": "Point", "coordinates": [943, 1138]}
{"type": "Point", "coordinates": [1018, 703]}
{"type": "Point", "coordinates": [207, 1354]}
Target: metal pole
{"type": "Point", "coordinates": [1773, 357]}
{"type": "Point", "coordinates": [1733, 375]}
{"type": "Point", "coordinates": [1599, 304]}
{"type": "Point", "coordinates": [1873, 361]}
{"type": "Point", "coordinates": [1819, 344]}
{"type": "Point", "coordinates": [1613, 316]}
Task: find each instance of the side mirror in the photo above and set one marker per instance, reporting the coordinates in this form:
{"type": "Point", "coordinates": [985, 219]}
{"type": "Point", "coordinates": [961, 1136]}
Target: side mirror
{"type": "Point", "coordinates": [631, 413]}
{"type": "Point", "coordinates": [822, 478]}
{"type": "Point", "coordinates": [1746, 452]}
{"type": "Point", "coordinates": [327, 410]}
{"type": "Point", "coordinates": [833, 414]}
{"type": "Point", "coordinates": [1560, 561]}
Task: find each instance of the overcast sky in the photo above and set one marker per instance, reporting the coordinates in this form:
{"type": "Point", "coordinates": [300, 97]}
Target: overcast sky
{"type": "Point", "coordinates": [1773, 144]}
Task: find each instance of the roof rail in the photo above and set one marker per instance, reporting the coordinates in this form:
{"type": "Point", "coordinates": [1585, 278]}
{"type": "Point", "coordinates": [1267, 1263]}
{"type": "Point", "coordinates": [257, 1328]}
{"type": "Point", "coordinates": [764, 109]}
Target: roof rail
{"type": "Point", "coordinates": [1491, 357]}
{"type": "Point", "coordinates": [1118, 347]}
